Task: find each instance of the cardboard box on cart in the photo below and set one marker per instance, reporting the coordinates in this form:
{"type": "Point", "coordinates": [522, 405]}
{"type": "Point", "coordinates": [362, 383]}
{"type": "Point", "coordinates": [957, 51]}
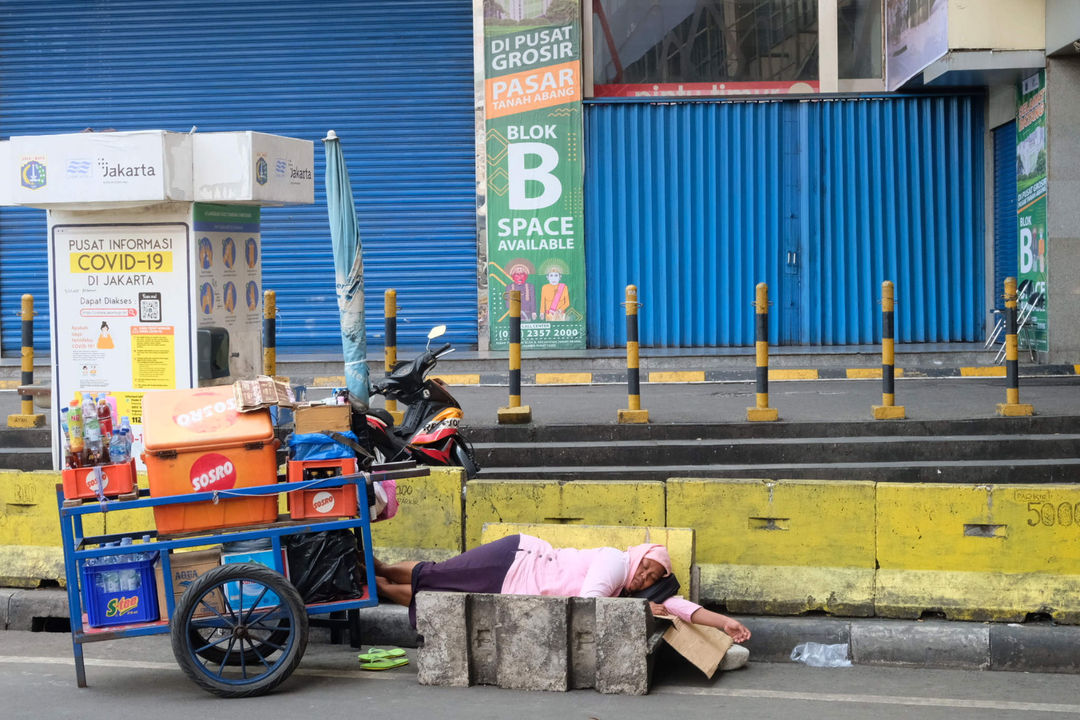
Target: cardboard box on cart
{"type": "Point", "coordinates": [197, 441]}
{"type": "Point", "coordinates": [185, 567]}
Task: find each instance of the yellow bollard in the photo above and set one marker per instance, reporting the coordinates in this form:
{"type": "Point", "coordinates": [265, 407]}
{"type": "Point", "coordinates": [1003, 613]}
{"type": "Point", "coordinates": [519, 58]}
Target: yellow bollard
{"type": "Point", "coordinates": [762, 412]}
{"type": "Point", "coordinates": [269, 333]}
{"type": "Point", "coordinates": [887, 410]}
{"type": "Point", "coordinates": [633, 413]}
{"type": "Point", "coordinates": [27, 418]}
{"type": "Point", "coordinates": [515, 413]}
{"type": "Point", "coordinates": [1012, 407]}
{"type": "Point", "coordinates": [390, 349]}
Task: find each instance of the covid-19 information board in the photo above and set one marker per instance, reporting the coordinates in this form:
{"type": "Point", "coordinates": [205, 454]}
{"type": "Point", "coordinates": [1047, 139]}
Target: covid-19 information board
{"type": "Point", "coordinates": [535, 180]}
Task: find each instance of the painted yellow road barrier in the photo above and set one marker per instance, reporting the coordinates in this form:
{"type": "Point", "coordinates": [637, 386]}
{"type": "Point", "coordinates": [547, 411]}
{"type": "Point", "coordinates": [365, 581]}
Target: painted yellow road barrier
{"type": "Point", "coordinates": [515, 412]}
{"type": "Point", "coordinates": [761, 412]}
{"type": "Point", "coordinates": [583, 502]}
{"type": "Point", "coordinates": [1012, 407]}
{"type": "Point", "coordinates": [979, 552]}
{"type": "Point", "coordinates": [26, 417]}
{"type": "Point", "coordinates": [888, 409]}
{"type": "Point", "coordinates": [390, 349]}
{"type": "Point", "coordinates": [678, 541]}
{"type": "Point", "coordinates": [633, 413]}
{"type": "Point", "coordinates": [430, 520]}
{"type": "Point", "coordinates": [780, 546]}
{"type": "Point", "coordinates": [269, 333]}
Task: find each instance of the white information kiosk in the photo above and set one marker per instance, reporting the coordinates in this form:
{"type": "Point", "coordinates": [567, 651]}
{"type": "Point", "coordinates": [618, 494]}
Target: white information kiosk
{"type": "Point", "coordinates": [155, 260]}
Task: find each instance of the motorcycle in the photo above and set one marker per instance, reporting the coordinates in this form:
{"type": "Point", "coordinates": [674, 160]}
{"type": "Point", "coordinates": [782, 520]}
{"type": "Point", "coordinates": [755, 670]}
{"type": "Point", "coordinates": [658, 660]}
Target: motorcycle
{"type": "Point", "coordinates": [428, 433]}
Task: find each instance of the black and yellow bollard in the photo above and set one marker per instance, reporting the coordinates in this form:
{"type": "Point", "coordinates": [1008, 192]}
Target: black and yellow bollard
{"type": "Point", "coordinates": [27, 418]}
{"type": "Point", "coordinates": [515, 413]}
{"type": "Point", "coordinates": [634, 413]}
{"type": "Point", "coordinates": [269, 333]}
{"type": "Point", "coordinates": [888, 409]}
{"type": "Point", "coordinates": [762, 412]}
{"type": "Point", "coordinates": [390, 349]}
{"type": "Point", "coordinates": [1012, 407]}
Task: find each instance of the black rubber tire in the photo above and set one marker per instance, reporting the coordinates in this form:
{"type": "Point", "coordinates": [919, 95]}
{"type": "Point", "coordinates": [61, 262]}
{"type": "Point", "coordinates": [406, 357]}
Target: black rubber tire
{"type": "Point", "coordinates": [225, 679]}
{"type": "Point", "coordinates": [464, 456]}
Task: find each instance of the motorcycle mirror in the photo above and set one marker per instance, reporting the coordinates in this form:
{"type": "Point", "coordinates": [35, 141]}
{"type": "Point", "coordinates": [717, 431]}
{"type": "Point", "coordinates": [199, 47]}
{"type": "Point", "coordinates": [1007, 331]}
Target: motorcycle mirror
{"type": "Point", "coordinates": [434, 333]}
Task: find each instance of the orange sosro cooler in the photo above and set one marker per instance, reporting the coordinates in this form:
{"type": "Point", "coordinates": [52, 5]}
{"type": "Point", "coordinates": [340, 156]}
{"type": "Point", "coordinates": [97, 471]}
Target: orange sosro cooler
{"type": "Point", "coordinates": [197, 441]}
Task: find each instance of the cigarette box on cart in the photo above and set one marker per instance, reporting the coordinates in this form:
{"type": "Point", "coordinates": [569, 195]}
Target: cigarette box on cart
{"type": "Point", "coordinates": [83, 483]}
{"type": "Point", "coordinates": [120, 593]}
{"type": "Point", "coordinates": [322, 503]}
{"type": "Point", "coordinates": [197, 441]}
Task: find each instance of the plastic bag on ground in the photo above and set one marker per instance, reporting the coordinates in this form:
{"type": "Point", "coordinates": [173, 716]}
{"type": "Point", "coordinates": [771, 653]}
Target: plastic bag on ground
{"type": "Point", "coordinates": [821, 655]}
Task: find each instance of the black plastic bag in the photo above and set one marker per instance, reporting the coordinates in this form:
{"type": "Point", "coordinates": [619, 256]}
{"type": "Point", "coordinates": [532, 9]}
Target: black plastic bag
{"type": "Point", "coordinates": [325, 566]}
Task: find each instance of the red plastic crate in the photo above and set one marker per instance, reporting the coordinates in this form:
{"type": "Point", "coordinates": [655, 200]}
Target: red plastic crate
{"type": "Point", "coordinates": [323, 503]}
{"type": "Point", "coordinates": [82, 483]}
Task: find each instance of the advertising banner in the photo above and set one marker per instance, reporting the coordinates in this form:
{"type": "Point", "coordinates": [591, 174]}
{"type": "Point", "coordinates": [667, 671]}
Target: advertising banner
{"type": "Point", "coordinates": [916, 34]}
{"type": "Point", "coordinates": [535, 179]}
{"type": "Point", "coordinates": [1031, 210]}
{"type": "Point", "coordinates": [120, 313]}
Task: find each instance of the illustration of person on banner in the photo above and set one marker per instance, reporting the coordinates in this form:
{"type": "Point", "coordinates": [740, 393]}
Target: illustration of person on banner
{"type": "Point", "coordinates": [554, 298]}
{"type": "Point", "coordinates": [519, 270]}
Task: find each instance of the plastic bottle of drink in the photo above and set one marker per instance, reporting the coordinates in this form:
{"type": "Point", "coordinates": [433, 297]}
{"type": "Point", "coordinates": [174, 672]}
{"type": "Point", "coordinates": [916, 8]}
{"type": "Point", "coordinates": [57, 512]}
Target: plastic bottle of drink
{"type": "Point", "coordinates": [92, 432]}
{"type": "Point", "coordinates": [129, 577]}
{"type": "Point", "coordinates": [75, 429]}
{"type": "Point", "coordinates": [104, 416]}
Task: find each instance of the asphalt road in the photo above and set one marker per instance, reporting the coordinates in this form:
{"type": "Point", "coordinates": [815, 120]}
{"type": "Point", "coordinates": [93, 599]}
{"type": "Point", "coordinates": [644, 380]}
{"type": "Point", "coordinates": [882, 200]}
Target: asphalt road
{"type": "Point", "coordinates": [138, 679]}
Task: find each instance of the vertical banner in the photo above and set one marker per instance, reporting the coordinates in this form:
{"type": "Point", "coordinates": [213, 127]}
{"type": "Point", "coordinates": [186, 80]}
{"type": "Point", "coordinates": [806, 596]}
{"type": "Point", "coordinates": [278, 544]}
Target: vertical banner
{"type": "Point", "coordinates": [535, 172]}
{"type": "Point", "coordinates": [1031, 210]}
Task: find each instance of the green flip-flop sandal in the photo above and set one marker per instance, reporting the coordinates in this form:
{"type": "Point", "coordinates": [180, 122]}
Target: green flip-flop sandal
{"type": "Point", "coordinates": [384, 663]}
{"type": "Point", "coordinates": [380, 654]}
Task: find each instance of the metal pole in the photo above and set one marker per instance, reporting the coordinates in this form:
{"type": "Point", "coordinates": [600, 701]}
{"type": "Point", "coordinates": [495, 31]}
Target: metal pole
{"type": "Point", "coordinates": [27, 418]}
{"type": "Point", "coordinates": [515, 412]}
{"type": "Point", "coordinates": [269, 333]}
{"type": "Point", "coordinates": [1012, 407]}
{"type": "Point", "coordinates": [761, 412]}
{"type": "Point", "coordinates": [390, 349]}
{"type": "Point", "coordinates": [888, 409]}
{"type": "Point", "coordinates": [633, 413]}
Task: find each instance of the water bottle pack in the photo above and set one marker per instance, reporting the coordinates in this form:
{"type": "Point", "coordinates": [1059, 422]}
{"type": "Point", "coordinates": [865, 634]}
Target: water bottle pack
{"type": "Point", "coordinates": [123, 579]}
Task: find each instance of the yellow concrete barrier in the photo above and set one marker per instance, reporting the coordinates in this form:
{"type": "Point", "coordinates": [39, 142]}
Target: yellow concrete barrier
{"type": "Point", "coordinates": [678, 541]}
{"type": "Point", "coordinates": [979, 552]}
{"type": "Point", "coordinates": [429, 520]}
{"type": "Point", "coordinates": [573, 503]}
{"type": "Point", "coordinates": [780, 546]}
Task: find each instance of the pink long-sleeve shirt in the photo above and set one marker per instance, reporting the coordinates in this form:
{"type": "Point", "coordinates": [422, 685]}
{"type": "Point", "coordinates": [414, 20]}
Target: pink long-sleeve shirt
{"type": "Point", "coordinates": [540, 569]}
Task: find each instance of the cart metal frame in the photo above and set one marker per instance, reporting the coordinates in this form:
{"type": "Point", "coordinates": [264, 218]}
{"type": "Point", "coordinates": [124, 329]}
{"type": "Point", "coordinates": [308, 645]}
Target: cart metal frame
{"type": "Point", "coordinates": [77, 552]}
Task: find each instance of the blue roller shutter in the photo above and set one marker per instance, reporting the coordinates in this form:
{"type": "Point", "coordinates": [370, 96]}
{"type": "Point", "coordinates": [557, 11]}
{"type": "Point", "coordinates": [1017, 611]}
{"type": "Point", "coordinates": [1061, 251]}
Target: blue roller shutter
{"type": "Point", "coordinates": [1006, 257]}
{"type": "Point", "coordinates": [697, 202]}
{"type": "Point", "coordinates": [394, 79]}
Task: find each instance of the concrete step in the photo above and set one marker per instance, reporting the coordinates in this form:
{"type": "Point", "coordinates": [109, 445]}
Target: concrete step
{"type": "Point", "coordinates": [1056, 470]}
{"type": "Point", "coordinates": [750, 451]}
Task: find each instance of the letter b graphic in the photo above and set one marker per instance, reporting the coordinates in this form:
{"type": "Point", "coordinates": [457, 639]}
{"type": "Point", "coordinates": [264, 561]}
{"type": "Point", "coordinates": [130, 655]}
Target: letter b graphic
{"type": "Point", "coordinates": [518, 156]}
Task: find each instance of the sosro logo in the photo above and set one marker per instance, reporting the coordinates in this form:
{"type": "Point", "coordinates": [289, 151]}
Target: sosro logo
{"type": "Point", "coordinates": [92, 480]}
{"type": "Point", "coordinates": [212, 472]}
{"type": "Point", "coordinates": [205, 414]}
{"type": "Point", "coordinates": [118, 170]}
{"type": "Point", "coordinates": [323, 502]}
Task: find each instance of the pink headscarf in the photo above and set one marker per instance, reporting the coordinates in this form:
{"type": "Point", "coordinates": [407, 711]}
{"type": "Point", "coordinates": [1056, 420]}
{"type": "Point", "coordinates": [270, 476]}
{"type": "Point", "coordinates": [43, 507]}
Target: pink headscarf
{"type": "Point", "coordinates": [637, 553]}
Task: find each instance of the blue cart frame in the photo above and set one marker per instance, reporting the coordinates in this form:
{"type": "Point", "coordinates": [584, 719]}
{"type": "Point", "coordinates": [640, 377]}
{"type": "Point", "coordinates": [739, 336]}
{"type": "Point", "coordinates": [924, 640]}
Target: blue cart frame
{"type": "Point", "coordinates": [77, 552]}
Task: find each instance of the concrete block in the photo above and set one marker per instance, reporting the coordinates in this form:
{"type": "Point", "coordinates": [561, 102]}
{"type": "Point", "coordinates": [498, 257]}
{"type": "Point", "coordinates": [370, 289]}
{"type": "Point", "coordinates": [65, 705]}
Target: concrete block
{"type": "Point", "coordinates": [623, 660]}
{"type": "Point", "coordinates": [774, 638]}
{"type": "Point", "coordinates": [929, 644]}
{"type": "Point", "coordinates": [387, 625]}
{"type": "Point", "coordinates": [26, 605]}
{"type": "Point", "coordinates": [1034, 648]}
{"type": "Point", "coordinates": [483, 658]}
{"type": "Point", "coordinates": [531, 634]}
{"type": "Point", "coordinates": [582, 643]}
{"type": "Point", "coordinates": [5, 601]}
{"type": "Point", "coordinates": [443, 659]}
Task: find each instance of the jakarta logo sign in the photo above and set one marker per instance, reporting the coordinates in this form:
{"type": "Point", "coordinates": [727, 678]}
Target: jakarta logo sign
{"type": "Point", "coordinates": [262, 172]}
{"type": "Point", "coordinates": [33, 174]}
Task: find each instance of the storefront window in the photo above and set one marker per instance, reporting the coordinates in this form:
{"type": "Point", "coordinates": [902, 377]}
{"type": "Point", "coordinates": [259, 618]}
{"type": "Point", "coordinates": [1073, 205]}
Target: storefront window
{"type": "Point", "coordinates": [859, 30]}
{"type": "Point", "coordinates": [693, 43]}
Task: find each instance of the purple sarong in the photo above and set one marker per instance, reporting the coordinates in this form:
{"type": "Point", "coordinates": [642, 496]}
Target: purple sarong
{"type": "Point", "coordinates": [480, 570]}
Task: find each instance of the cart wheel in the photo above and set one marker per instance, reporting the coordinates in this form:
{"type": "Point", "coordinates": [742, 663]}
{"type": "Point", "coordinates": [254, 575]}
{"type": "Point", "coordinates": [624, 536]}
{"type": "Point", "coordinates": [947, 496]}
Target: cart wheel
{"type": "Point", "coordinates": [256, 647]}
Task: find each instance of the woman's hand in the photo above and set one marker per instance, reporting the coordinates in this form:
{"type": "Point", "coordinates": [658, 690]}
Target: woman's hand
{"type": "Point", "coordinates": [736, 630]}
{"type": "Point", "coordinates": [658, 610]}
